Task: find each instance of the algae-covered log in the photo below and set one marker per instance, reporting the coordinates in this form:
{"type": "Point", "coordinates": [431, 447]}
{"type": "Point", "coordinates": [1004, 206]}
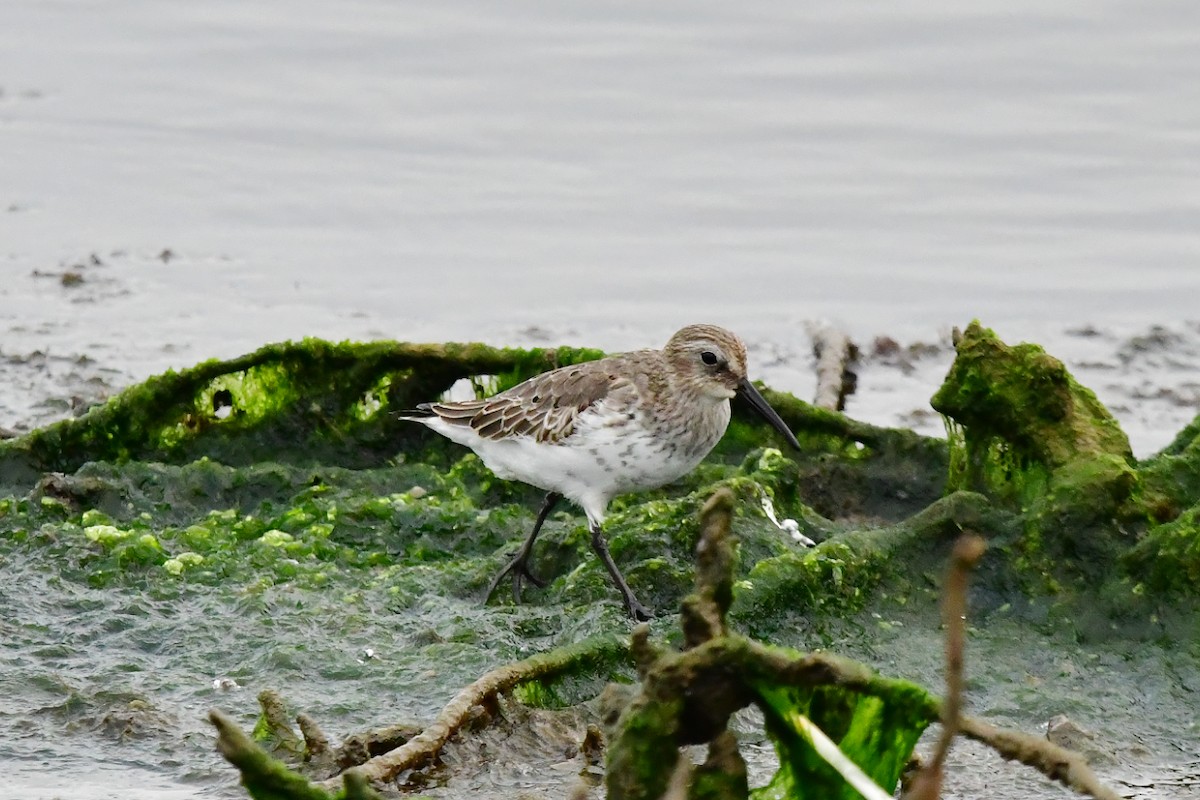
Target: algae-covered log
{"type": "Point", "coordinates": [296, 401]}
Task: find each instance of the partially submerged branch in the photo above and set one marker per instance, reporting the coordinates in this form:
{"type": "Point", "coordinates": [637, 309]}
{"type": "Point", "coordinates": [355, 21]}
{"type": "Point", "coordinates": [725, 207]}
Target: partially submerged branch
{"type": "Point", "coordinates": [1069, 769]}
{"type": "Point", "coordinates": [424, 747]}
{"type": "Point", "coordinates": [835, 355]}
{"type": "Point", "coordinates": [263, 776]}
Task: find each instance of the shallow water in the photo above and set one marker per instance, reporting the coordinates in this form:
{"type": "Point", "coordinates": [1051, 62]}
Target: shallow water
{"type": "Point", "coordinates": [531, 173]}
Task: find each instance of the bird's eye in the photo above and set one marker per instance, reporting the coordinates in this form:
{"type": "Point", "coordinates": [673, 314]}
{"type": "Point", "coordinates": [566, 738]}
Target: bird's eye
{"type": "Point", "coordinates": [709, 357]}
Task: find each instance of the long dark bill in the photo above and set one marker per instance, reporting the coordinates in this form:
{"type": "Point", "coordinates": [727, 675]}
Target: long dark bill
{"type": "Point", "coordinates": [763, 408]}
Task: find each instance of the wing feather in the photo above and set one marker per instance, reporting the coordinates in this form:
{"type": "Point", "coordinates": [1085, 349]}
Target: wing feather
{"type": "Point", "coordinates": [546, 407]}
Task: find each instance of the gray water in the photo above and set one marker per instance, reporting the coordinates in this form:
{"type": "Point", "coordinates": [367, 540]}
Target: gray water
{"type": "Point", "coordinates": [600, 174]}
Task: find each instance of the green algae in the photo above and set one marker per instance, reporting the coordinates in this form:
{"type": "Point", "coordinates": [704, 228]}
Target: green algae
{"type": "Point", "coordinates": [1168, 558]}
{"type": "Point", "coordinates": [327, 490]}
{"type": "Point", "coordinates": [1028, 436]}
{"type": "Point", "coordinates": [302, 402]}
{"type": "Point", "coordinates": [1026, 399]}
{"type": "Point", "coordinates": [876, 733]}
{"type": "Point", "coordinates": [302, 476]}
{"type": "Point", "coordinates": [305, 467]}
{"type": "Point", "coordinates": [161, 461]}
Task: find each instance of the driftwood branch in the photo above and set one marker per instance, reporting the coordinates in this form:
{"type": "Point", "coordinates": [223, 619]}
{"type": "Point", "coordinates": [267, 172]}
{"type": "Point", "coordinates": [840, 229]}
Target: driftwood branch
{"type": "Point", "coordinates": [1069, 769]}
{"type": "Point", "coordinates": [424, 747]}
{"type": "Point", "coordinates": [264, 776]}
{"type": "Point", "coordinates": [835, 355]}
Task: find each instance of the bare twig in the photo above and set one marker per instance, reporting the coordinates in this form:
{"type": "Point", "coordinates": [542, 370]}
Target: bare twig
{"type": "Point", "coordinates": [967, 551]}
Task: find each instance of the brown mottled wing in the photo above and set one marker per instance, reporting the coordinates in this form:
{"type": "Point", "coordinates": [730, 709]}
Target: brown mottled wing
{"type": "Point", "coordinates": [545, 407]}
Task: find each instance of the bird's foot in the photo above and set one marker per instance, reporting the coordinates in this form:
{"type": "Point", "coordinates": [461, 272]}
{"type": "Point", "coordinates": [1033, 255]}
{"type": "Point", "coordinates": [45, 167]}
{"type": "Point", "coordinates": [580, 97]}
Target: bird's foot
{"type": "Point", "coordinates": [518, 570]}
{"type": "Point", "coordinates": [637, 612]}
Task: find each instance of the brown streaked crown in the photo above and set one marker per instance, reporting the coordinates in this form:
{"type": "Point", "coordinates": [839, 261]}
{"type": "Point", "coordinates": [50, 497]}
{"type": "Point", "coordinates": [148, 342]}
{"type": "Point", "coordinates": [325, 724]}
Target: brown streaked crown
{"type": "Point", "coordinates": [708, 357]}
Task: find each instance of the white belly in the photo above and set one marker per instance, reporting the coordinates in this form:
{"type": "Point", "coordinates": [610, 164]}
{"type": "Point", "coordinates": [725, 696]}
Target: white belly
{"type": "Point", "coordinates": [604, 457]}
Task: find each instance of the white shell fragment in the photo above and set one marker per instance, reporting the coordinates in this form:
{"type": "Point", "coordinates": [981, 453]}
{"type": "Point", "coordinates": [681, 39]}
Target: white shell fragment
{"type": "Point", "coordinates": [788, 526]}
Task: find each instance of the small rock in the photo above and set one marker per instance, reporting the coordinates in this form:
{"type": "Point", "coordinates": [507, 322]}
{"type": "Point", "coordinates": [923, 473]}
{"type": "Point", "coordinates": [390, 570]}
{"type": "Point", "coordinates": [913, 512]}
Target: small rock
{"type": "Point", "coordinates": [1060, 730]}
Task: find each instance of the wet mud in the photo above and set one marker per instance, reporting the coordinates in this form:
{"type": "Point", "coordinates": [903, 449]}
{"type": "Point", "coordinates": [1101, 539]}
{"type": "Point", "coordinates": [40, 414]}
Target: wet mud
{"type": "Point", "coordinates": [266, 522]}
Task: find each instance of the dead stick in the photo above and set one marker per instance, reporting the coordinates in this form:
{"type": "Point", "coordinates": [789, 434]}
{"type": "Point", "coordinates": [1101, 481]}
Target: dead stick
{"type": "Point", "coordinates": [426, 745]}
{"type": "Point", "coordinates": [835, 354]}
{"type": "Point", "coordinates": [967, 552]}
{"type": "Point", "coordinates": [1068, 768]}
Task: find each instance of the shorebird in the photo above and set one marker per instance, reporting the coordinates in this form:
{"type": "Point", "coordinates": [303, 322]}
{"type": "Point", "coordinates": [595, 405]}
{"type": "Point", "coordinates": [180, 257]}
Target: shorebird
{"type": "Point", "coordinates": [591, 431]}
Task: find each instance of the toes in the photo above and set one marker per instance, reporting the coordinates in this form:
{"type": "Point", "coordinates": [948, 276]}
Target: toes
{"type": "Point", "coordinates": [534, 579]}
{"type": "Point", "coordinates": [637, 611]}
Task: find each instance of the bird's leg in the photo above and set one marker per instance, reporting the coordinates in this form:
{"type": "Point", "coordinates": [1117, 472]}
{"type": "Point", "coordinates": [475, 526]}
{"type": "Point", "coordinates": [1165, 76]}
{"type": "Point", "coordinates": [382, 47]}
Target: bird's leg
{"type": "Point", "coordinates": [519, 566]}
{"type": "Point", "coordinates": [636, 610]}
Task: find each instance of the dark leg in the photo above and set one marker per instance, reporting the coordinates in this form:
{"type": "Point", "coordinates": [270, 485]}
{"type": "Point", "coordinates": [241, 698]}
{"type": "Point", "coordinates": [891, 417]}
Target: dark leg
{"type": "Point", "coordinates": [518, 568]}
{"type": "Point", "coordinates": [636, 610]}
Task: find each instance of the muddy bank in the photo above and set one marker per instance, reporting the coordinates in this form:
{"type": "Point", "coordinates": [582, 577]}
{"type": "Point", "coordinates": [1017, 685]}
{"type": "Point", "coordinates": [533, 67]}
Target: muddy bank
{"type": "Point", "coordinates": [267, 520]}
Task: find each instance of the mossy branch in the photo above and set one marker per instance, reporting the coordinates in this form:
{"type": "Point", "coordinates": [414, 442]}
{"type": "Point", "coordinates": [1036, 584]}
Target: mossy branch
{"type": "Point", "coordinates": [805, 417]}
{"type": "Point", "coordinates": [274, 726]}
{"type": "Point", "coordinates": [687, 697]}
{"type": "Point", "coordinates": [309, 383]}
{"type": "Point", "coordinates": [265, 778]}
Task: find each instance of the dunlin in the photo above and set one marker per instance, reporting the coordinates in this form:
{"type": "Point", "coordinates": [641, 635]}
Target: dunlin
{"type": "Point", "coordinates": [589, 432]}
